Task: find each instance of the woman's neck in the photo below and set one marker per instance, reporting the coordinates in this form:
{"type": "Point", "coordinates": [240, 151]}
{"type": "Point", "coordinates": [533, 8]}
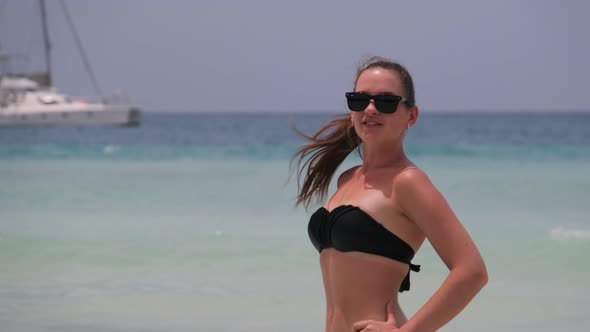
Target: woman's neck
{"type": "Point", "coordinates": [383, 156]}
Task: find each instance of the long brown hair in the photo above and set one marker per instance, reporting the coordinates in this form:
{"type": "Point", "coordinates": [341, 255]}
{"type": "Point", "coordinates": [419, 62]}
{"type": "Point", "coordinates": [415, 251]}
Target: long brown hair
{"type": "Point", "coordinates": [318, 160]}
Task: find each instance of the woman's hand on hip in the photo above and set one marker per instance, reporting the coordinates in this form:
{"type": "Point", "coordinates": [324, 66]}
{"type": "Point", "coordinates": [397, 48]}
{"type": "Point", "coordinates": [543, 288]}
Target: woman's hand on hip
{"type": "Point", "coordinates": [377, 326]}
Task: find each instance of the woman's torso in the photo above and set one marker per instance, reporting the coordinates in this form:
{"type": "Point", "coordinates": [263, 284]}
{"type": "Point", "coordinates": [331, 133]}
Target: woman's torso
{"type": "Point", "coordinates": [357, 284]}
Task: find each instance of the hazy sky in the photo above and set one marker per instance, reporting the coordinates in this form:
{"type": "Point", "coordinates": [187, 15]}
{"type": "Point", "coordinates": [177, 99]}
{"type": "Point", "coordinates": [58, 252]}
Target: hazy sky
{"type": "Point", "coordinates": [301, 55]}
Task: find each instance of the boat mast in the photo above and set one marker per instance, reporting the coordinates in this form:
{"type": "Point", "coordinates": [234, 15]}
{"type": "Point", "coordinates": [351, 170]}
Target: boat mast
{"type": "Point", "coordinates": [78, 41]}
{"type": "Point", "coordinates": [46, 42]}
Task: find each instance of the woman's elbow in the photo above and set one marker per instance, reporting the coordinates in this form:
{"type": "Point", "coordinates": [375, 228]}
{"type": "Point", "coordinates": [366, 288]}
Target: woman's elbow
{"type": "Point", "coordinates": [478, 275]}
{"type": "Point", "coordinates": [474, 276]}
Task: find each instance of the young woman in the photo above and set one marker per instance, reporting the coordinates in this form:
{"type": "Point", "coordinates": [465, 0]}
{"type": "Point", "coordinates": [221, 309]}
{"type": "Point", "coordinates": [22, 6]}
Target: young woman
{"type": "Point", "coordinates": [368, 231]}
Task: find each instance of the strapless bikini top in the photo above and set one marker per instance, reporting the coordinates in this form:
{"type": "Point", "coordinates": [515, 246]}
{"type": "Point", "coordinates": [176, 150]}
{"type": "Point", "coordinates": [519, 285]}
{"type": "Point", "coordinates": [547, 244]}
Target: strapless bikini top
{"type": "Point", "coordinates": [349, 228]}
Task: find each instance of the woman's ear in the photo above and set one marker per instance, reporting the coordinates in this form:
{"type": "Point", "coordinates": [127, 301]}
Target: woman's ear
{"type": "Point", "coordinates": [413, 115]}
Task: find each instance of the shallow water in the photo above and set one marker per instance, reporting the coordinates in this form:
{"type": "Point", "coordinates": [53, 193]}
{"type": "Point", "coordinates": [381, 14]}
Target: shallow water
{"type": "Point", "coordinates": [178, 225]}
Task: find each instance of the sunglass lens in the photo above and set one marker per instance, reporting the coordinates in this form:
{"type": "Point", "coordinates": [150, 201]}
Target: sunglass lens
{"type": "Point", "coordinates": [357, 102]}
{"type": "Point", "coordinates": [386, 103]}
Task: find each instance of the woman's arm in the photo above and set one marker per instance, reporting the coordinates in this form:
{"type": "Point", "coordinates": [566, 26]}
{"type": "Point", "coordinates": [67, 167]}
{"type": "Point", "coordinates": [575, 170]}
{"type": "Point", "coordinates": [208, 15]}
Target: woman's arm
{"type": "Point", "coordinates": [422, 203]}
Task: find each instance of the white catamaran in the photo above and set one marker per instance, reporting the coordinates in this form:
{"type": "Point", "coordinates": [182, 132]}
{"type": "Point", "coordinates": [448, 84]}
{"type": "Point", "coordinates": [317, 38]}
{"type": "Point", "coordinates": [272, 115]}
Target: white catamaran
{"type": "Point", "coordinates": [31, 100]}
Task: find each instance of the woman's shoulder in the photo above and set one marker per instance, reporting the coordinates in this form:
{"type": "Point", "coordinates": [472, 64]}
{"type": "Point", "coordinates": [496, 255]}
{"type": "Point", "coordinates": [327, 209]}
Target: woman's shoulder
{"type": "Point", "coordinates": [346, 175]}
{"type": "Point", "coordinates": [411, 178]}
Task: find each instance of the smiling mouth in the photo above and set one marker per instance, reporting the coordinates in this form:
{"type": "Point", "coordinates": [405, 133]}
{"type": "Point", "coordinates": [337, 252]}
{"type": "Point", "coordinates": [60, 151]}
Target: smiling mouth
{"type": "Point", "coordinates": [371, 123]}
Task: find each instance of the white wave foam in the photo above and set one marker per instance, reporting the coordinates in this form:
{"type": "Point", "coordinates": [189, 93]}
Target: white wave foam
{"type": "Point", "coordinates": [110, 149]}
{"type": "Point", "coordinates": [561, 233]}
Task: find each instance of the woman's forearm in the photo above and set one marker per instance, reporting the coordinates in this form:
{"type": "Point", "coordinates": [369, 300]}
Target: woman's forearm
{"type": "Point", "coordinates": [455, 293]}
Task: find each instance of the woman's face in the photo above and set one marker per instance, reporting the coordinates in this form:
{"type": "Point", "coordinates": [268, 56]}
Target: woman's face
{"type": "Point", "coordinates": [371, 125]}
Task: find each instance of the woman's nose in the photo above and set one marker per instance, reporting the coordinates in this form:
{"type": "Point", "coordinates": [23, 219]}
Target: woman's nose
{"type": "Point", "coordinates": [371, 109]}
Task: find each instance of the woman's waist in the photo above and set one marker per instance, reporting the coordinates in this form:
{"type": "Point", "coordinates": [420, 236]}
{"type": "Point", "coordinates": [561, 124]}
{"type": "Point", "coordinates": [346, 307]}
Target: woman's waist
{"type": "Point", "coordinates": [350, 301]}
{"type": "Point", "coordinates": [341, 316]}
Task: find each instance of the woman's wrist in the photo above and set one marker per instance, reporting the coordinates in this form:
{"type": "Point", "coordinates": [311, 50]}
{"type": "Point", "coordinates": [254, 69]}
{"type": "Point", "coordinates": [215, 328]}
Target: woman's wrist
{"type": "Point", "coordinates": [404, 328]}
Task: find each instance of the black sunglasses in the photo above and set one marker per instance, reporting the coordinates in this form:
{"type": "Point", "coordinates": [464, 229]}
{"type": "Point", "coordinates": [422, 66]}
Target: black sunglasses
{"type": "Point", "coordinates": [384, 103]}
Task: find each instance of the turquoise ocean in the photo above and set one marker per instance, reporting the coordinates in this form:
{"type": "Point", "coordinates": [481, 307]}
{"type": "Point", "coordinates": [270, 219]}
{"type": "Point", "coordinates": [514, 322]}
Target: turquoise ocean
{"type": "Point", "coordinates": [187, 223]}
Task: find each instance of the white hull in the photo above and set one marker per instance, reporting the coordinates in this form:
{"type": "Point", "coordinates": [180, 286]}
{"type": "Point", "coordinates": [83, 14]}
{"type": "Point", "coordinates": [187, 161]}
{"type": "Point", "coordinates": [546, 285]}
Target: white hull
{"type": "Point", "coordinates": [24, 103]}
{"type": "Point", "coordinates": [98, 116]}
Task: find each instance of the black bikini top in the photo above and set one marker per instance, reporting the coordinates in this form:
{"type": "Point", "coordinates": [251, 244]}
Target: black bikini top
{"type": "Point", "coordinates": [348, 228]}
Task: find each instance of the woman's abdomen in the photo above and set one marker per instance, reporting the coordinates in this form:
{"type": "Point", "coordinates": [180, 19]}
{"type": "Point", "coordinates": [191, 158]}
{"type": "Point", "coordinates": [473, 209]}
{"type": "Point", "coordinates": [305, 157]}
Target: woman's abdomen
{"type": "Point", "coordinates": [358, 287]}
